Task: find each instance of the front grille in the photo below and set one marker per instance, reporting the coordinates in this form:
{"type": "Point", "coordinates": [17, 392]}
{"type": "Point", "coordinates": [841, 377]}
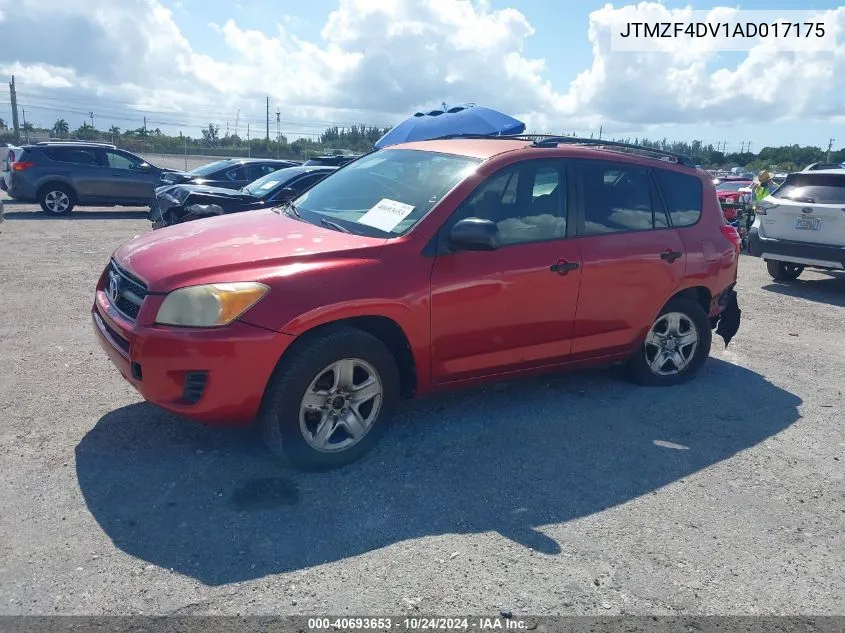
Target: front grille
{"type": "Point", "coordinates": [121, 342]}
{"type": "Point", "coordinates": [125, 291]}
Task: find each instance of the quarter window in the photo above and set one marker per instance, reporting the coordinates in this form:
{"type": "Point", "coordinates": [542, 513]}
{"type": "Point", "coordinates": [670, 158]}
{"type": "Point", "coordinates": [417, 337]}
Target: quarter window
{"type": "Point", "coordinates": [683, 195]}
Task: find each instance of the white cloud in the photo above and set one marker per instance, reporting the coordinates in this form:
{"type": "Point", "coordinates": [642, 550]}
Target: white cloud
{"type": "Point", "coordinates": [379, 60]}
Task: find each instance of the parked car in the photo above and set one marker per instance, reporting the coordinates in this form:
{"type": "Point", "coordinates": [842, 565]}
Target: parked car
{"type": "Point", "coordinates": [422, 267]}
{"type": "Point", "coordinates": [60, 175]}
{"type": "Point", "coordinates": [733, 195]}
{"type": "Point", "coordinates": [802, 224]}
{"type": "Point", "coordinates": [175, 204]}
{"type": "Point", "coordinates": [824, 166]}
{"type": "Point", "coordinates": [8, 155]}
{"type": "Point", "coordinates": [331, 161]}
{"type": "Point", "coordinates": [229, 173]}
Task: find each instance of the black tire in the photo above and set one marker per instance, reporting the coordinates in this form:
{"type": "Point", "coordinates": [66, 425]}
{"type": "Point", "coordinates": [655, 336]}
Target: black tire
{"type": "Point", "coordinates": [52, 192]}
{"type": "Point", "coordinates": [279, 418]}
{"type": "Point", "coordinates": [637, 367]}
{"type": "Point", "coordinates": [783, 271]}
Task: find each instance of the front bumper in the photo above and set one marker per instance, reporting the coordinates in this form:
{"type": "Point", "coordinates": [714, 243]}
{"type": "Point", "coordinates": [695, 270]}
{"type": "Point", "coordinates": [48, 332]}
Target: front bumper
{"type": "Point", "coordinates": [805, 253]}
{"type": "Point", "coordinates": [215, 376]}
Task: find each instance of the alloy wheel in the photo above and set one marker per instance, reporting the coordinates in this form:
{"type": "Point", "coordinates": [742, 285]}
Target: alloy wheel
{"type": "Point", "coordinates": [340, 405]}
{"type": "Point", "coordinates": [671, 344]}
{"type": "Point", "coordinates": [57, 201]}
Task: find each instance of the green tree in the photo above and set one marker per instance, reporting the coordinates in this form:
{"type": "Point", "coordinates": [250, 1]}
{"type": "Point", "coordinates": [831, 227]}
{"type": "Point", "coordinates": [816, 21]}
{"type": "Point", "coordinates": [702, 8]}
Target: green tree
{"type": "Point", "coordinates": [61, 128]}
{"type": "Point", "coordinates": [211, 134]}
{"type": "Point", "coordinates": [86, 132]}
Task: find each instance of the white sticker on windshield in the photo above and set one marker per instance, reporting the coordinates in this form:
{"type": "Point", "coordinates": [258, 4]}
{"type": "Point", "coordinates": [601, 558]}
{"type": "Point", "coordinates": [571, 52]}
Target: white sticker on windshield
{"type": "Point", "coordinates": [268, 184]}
{"type": "Point", "coordinates": [386, 215]}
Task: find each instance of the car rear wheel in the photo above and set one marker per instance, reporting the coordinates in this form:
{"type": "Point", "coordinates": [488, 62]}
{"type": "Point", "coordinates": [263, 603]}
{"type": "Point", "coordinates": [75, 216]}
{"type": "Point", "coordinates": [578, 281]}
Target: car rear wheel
{"type": "Point", "coordinates": [330, 399]}
{"type": "Point", "coordinates": [676, 346]}
{"type": "Point", "coordinates": [783, 271]}
{"type": "Point", "coordinates": [56, 199]}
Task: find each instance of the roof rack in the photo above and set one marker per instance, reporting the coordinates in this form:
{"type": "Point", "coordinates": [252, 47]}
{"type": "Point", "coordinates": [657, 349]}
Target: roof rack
{"type": "Point", "coordinates": [552, 140]}
{"type": "Point", "coordinates": [72, 142]}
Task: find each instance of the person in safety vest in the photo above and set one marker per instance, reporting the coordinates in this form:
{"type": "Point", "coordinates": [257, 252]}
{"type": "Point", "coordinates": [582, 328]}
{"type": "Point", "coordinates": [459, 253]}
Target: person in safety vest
{"type": "Point", "coordinates": [764, 185]}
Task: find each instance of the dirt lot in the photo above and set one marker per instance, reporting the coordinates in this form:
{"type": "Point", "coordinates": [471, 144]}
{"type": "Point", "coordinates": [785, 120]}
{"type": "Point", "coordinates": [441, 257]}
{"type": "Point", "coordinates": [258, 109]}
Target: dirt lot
{"type": "Point", "coordinates": [577, 494]}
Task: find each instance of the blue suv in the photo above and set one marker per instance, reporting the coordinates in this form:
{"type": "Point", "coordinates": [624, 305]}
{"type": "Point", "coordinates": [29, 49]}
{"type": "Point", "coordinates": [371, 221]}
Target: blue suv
{"type": "Point", "coordinates": [60, 175]}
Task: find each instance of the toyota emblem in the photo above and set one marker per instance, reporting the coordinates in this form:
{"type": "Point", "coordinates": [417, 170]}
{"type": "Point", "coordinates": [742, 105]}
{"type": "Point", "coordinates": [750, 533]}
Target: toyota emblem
{"type": "Point", "coordinates": [113, 291]}
{"type": "Point", "coordinates": [807, 210]}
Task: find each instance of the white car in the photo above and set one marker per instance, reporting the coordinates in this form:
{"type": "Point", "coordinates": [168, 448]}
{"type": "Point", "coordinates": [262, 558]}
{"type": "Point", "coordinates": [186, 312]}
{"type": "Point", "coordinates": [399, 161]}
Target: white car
{"type": "Point", "coordinates": [8, 155]}
{"type": "Point", "coordinates": [802, 224]}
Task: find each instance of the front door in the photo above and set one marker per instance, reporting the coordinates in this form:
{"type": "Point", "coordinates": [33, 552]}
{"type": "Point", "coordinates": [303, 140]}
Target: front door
{"type": "Point", "coordinates": [632, 259]}
{"type": "Point", "coordinates": [127, 182]}
{"type": "Point", "coordinates": [512, 308]}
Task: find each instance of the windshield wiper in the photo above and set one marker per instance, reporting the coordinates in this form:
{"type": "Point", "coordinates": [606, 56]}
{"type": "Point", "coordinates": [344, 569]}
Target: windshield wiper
{"type": "Point", "coordinates": [290, 205]}
{"type": "Point", "coordinates": [334, 225]}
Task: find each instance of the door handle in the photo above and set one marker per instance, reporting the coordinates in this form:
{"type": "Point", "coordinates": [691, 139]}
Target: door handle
{"type": "Point", "coordinates": [562, 268]}
{"type": "Point", "coordinates": [670, 256]}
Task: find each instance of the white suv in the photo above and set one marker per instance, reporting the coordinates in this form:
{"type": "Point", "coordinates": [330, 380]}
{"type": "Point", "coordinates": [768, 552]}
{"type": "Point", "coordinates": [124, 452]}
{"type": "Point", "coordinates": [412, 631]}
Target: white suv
{"type": "Point", "coordinates": [802, 224]}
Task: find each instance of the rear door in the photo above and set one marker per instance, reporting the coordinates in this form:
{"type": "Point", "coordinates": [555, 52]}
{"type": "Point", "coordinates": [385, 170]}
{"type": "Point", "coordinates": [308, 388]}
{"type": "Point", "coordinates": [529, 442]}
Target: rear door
{"type": "Point", "coordinates": [633, 260]}
{"type": "Point", "coordinates": [254, 171]}
{"type": "Point", "coordinates": [808, 207]}
{"type": "Point", "coordinates": [81, 167]}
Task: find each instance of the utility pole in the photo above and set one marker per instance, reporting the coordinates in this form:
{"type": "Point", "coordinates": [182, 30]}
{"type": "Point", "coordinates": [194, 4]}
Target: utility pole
{"type": "Point", "coordinates": [145, 126]}
{"type": "Point", "coordinates": [829, 147]}
{"type": "Point", "coordinates": [24, 126]}
{"type": "Point", "coordinates": [601, 128]}
{"type": "Point", "coordinates": [91, 114]}
{"type": "Point", "coordinates": [268, 123]}
{"type": "Point", "coordinates": [278, 133]}
{"type": "Point", "coordinates": [748, 149]}
{"type": "Point", "coordinates": [248, 144]}
{"type": "Point", "coordinates": [237, 123]}
{"type": "Point", "coordinates": [742, 148]}
{"type": "Point", "coordinates": [14, 99]}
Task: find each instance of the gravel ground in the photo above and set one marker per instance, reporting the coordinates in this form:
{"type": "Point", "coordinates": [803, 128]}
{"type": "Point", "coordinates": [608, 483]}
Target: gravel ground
{"type": "Point", "coordinates": [571, 494]}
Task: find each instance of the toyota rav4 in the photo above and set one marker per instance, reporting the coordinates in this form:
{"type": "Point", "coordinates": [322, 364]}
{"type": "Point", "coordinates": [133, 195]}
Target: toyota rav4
{"type": "Point", "coordinates": [422, 267]}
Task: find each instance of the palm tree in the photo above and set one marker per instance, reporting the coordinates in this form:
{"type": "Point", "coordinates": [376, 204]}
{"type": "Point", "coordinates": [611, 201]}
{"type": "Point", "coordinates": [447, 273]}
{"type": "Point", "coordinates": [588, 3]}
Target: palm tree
{"type": "Point", "coordinates": [61, 128]}
{"type": "Point", "coordinates": [3, 125]}
{"type": "Point", "coordinates": [115, 132]}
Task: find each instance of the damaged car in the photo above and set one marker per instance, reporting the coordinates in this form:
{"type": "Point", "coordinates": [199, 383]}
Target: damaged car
{"type": "Point", "coordinates": [176, 204]}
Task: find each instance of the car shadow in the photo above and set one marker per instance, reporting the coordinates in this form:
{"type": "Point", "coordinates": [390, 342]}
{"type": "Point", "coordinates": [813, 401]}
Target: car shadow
{"type": "Point", "coordinates": [77, 215]}
{"type": "Point", "coordinates": [830, 290]}
{"type": "Point", "coordinates": [213, 505]}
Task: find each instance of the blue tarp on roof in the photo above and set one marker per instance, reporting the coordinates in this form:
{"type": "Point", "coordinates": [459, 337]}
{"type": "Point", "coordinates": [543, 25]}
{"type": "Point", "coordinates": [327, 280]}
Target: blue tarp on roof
{"type": "Point", "coordinates": [462, 119]}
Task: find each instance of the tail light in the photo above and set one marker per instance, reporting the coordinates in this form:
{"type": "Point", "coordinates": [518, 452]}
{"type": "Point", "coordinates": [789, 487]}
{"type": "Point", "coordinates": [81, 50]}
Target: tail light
{"type": "Point", "coordinates": [20, 166]}
{"type": "Point", "coordinates": [731, 233]}
{"type": "Point", "coordinates": [763, 207]}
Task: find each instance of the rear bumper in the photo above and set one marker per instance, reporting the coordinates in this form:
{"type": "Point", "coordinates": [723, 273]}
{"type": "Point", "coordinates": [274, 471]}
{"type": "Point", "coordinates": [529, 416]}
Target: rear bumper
{"type": "Point", "coordinates": [806, 253]}
{"type": "Point", "coordinates": [214, 376]}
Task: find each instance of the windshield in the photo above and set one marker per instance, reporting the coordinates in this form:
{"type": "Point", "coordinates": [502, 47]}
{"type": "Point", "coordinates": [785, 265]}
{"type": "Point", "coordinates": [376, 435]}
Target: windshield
{"type": "Point", "coordinates": [267, 183]}
{"type": "Point", "coordinates": [734, 185]}
{"type": "Point", "coordinates": [813, 188]}
{"type": "Point", "coordinates": [210, 168]}
{"type": "Point", "coordinates": [387, 192]}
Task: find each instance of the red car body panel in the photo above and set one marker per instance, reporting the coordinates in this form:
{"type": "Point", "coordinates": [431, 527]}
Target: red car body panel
{"type": "Point", "coordinates": [467, 317]}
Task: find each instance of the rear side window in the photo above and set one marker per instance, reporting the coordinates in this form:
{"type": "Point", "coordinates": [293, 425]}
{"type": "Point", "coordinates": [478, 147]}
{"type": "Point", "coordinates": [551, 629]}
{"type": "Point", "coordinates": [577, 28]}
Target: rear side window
{"type": "Point", "coordinates": [617, 198]}
{"type": "Point", "coordinates": [813, 188]}
{"type": "Point", "coordinates": [683, 195]}
{"type": "Point", "coordinates": [238, 173]}
{"type": "Point", "coordinates": [75, 155]}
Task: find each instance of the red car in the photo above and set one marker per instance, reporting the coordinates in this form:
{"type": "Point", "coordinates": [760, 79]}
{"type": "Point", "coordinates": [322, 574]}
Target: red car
{"type": "Point", "coordinates": [730, 196]}
{"type": "Point", "coordinates": [422, 267]}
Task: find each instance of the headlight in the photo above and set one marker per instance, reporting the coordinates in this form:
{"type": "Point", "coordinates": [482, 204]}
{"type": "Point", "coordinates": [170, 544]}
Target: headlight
{"type": "Point", "coordinates": [209, 305]}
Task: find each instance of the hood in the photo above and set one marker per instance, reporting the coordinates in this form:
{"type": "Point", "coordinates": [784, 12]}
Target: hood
{"type": "Point", "coordinates": [235, 247]}
{"type": "Point", "coordinates": [181, 192]}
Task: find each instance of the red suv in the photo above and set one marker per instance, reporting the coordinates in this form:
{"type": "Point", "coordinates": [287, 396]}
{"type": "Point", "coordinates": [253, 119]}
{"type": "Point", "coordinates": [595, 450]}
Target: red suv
{"type": "Point", "coordinates": [417, 268]}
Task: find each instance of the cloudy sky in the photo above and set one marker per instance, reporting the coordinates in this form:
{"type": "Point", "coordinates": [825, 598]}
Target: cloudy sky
{"type": "Point", "coordinates": [184, 63]}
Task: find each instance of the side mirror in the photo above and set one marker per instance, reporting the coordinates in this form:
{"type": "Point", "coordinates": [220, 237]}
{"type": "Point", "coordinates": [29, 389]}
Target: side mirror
{"type": "Point", "coordinates": [474, 234]}
{"type": "Point", "coordinates": [144, 167]}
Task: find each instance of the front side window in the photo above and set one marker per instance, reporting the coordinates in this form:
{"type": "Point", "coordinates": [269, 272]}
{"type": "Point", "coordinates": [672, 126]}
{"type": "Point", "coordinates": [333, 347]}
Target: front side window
{"type": "Point", "coordinates": [526, 202]}
{"type": "Point", "coordinates": [616, 198]}
{"type": "Point", "coordinates": [121, 161]}
{"type": "Point", "coordinates": [385, 193]}
{"type": "Point", "coordinates": [238, 173]}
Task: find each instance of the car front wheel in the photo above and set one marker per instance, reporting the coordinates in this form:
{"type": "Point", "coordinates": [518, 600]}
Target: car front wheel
{"type": "Point", "coordinates": [783, 271]}
{"type": "Point", "coordinates": [330, 399]}
{"type": "Point", "coordinates": [676, 346]}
